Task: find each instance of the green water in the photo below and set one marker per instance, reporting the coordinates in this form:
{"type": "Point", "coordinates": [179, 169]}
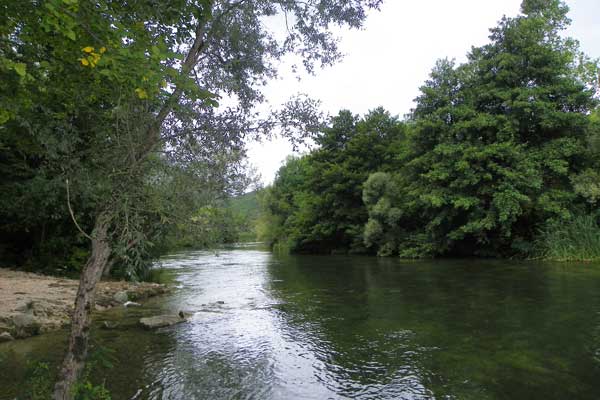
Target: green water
{"type": "Point", "coordinates": [335, 327]}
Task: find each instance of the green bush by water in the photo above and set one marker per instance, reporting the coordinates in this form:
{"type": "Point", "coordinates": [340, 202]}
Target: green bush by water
{"type": "Point", "coordinates": [577, 239]}
{"type": "Point", "coordinates": [40, 378]}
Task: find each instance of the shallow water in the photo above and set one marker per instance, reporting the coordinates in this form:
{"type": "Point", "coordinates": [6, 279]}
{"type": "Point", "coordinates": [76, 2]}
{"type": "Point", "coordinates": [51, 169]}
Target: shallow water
{"type": "Point", "coordinates": [336, 327]}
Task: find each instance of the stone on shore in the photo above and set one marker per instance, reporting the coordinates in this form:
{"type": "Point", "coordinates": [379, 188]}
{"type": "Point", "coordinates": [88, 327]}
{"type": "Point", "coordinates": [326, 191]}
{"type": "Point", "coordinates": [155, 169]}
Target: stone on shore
{"type": "Point", "coordinates": [6, 337]}
{"type": "Point", "coordinates": [32, 304]}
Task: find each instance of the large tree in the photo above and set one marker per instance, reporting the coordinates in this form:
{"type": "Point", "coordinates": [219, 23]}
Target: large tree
{"type": "Point", "coordinates": [496, 145]}
{"type": "Point", "coordinates": [317, 199]}
{"type": "Point", "coordinates": [105, 88]}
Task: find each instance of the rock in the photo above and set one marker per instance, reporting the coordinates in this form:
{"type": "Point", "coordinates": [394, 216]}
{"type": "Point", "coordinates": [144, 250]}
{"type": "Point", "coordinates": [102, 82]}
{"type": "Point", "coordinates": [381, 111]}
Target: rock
{"type": "Point", "coordinates": [162, 320]}
{"type": "Point", "coordinates": [99, 307]}
{"type": "Point", "coordinates": [26, 325]}
{"type": "Point", "coordinates": [27, 307]}
{"type": "Point", "coordinates": [185, 314]}
{"type": "Point", "coordinates": [132, 304]}
{"type": "Point", "coordinates": [6, 337]}
{"type": "Point", "coordinates": [220, 302]}
{"type": "Point", "coordinates": [110, 325]}
{"type": "Point", "coordinates": [121, 297]}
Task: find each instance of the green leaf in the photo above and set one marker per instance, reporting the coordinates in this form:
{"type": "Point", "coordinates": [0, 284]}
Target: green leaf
{"type": "Point", "coordinates": [4, 116]}
{"type": "Point", "coordinates": [20, 69]}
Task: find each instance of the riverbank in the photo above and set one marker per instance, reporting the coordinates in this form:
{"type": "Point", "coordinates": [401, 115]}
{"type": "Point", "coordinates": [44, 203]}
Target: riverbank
{"type": "Point", "coordinates": [32, 304]}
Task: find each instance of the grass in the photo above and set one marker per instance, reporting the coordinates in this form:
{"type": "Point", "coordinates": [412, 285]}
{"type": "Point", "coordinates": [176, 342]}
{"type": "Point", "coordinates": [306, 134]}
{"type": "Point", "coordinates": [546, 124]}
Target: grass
{"type": "Point", "coordinates": [157, 275]}
{"type": "Point", "coordinates": [575, 240]}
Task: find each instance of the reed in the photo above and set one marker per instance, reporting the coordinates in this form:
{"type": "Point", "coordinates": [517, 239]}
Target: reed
{"type": "Point", "coordinates": [577, 239]}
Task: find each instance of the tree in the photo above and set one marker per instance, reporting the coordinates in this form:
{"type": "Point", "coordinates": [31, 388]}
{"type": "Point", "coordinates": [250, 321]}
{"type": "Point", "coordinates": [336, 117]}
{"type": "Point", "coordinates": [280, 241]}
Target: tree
{"type": "Point", "coordinates": [104, 87]}
{"type": "Point", "coordinates": [496, 144]}
{"type": "Point", "coordinates": [318, 198]}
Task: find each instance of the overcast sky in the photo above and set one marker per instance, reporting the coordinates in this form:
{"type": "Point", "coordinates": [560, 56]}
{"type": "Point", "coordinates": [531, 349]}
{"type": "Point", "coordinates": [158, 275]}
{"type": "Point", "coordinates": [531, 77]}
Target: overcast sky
{"type": "Point", "coordinates": [387, 61]}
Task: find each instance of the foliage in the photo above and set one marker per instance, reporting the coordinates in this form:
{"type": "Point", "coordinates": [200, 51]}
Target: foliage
{"type": "Point", "coordinates": [117, 102]}
{"type": "Point", "coordinates": [40, 383]}
{"type": "Point", "coordinates": [498, 146]}
{"type": "Point", "coordinates": [157, 274]}
{"type": "Point", "coordinates": [245, 209]}
{"type": "Point", "coordinates": [387, 206]}
{"type": "Point", "coordinates": [575, 239]}
{"type": "Point", "coordinates": [88, 391]}
{"type": "Point", "coordinates": [100, 93]}
{"type": "Point", "coordinates": [494, 149]}
{"type": "Point", "coordinates": [318, 197]}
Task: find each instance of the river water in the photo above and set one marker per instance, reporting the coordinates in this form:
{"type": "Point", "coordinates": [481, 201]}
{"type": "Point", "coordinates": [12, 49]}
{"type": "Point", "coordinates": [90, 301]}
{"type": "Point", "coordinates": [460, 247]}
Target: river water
{"type": "Point", "coordinates": [339, 327]}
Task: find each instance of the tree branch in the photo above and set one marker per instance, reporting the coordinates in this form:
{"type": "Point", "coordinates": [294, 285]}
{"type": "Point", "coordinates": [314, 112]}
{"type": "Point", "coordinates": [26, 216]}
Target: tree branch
{"type": "Point", "coordinates": [73, 214]}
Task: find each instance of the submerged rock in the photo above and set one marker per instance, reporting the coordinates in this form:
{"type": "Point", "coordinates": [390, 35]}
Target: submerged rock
{"type": "Point", "coordinates": [121, 296]}
{"type": "Point", "coordinates": [26, 325]}
{"type": "Point", "coordinates": [110, 325]}
{"type": "Point", "coordinates": [132, 304]}
{"type": "Point", "coordinates": [160, 321]}
{"type": "Point", "coordinates": [6, 337]}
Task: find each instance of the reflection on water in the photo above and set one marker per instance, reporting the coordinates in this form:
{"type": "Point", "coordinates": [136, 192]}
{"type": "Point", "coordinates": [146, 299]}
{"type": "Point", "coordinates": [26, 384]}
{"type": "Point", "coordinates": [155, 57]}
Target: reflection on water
{"type": "Point", "coordinates": [304, 327]}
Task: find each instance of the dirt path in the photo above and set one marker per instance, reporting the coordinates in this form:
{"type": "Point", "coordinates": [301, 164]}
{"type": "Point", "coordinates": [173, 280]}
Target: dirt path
{"type": "Point", "coordinates": [31, 304]}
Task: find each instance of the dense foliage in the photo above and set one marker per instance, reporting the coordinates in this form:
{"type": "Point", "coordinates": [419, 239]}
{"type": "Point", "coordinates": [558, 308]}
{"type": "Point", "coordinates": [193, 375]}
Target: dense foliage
{"type": "Point", "coordinates": [129, 118]}
{"type": "Point", "coordinates": [123, 102]}
{"type": "Point", "coordinates": [245, 210]}
{"type": "Point", "coordinates": [500, 151]}
{"type": "Point", "coordinates": [315, 204]}
{"type": "Point", "coordinates": [81, 84]}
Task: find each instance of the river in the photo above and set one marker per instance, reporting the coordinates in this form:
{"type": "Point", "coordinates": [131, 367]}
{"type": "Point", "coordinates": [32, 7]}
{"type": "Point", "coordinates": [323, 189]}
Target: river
{"type": "Point", "coordinates": [346, 327]}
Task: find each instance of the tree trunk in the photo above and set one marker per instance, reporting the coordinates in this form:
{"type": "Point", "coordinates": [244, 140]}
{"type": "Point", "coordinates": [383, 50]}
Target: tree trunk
{"type": "Point", "coordinates": [98, 262]}
{"type": "Point", "coordinates": [84, 305]}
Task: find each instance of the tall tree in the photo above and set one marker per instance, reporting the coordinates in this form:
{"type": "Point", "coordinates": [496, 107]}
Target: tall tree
{"type": "Point", "coordinates": [496, 143]}
{"type": "Point", "coordinates": [103, 86]}
{"type": "Point", "coordinates": [318, 198]}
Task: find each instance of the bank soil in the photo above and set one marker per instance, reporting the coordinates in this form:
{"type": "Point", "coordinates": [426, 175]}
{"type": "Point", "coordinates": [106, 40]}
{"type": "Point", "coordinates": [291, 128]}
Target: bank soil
{"type": "Point", "coordinates": [31, 304]}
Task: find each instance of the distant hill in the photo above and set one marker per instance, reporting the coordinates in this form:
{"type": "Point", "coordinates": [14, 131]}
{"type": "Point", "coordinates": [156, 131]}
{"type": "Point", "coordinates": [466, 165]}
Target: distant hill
{"type": "Point", "coordinates": [246, 205]}
{"type": "Point", "coordinates": [247, 210]}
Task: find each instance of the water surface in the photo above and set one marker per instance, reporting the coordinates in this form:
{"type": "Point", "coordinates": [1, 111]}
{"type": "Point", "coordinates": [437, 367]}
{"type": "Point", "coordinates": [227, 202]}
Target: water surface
{"type": "Point", "coordinates": [337, 327]}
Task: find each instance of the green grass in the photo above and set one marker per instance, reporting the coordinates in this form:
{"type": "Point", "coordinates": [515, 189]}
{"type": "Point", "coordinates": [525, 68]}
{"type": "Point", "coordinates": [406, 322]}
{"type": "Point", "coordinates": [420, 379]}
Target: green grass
{"type": "Point", "coordinates": [157, 275]}
{"type": "Point", "coordinates": [575, 240]}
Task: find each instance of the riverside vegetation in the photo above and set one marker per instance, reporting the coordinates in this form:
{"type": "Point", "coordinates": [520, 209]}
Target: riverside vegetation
{"type": "Point", "coordinates": [113, 139]}
{"type": "Point", "coordinates": [115, 149]}
{"type": "Point", "coordinates": [499, 158]}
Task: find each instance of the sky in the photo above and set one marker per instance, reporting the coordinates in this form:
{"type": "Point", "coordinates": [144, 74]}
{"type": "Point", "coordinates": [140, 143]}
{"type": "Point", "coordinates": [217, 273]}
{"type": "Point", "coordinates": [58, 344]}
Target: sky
{"type": "Point", "coordinates": [387, 61]}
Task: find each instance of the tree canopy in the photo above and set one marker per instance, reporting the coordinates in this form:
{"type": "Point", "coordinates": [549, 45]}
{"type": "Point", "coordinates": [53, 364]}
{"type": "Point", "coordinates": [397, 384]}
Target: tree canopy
{"type": "Point", "coordinates": [110, 112]}
{"type": "Point", "coordinates": [496, 148]}
{"type": "Point", "coordinates": [317, 199]}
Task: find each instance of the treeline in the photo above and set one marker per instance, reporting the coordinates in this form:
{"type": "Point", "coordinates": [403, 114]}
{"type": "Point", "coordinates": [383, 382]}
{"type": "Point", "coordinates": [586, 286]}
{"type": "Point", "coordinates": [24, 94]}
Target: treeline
{"type": "Point", "coordinates": [174, 210]}
{"type": "Point", "coordinates": [79, 137]}
{"type": "Point", "coordinates": [500, 157]}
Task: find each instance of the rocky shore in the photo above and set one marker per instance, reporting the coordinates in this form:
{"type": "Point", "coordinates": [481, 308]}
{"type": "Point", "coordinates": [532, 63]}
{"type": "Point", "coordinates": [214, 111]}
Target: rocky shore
{"type": "Point", "coordinates": [32, 304]}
